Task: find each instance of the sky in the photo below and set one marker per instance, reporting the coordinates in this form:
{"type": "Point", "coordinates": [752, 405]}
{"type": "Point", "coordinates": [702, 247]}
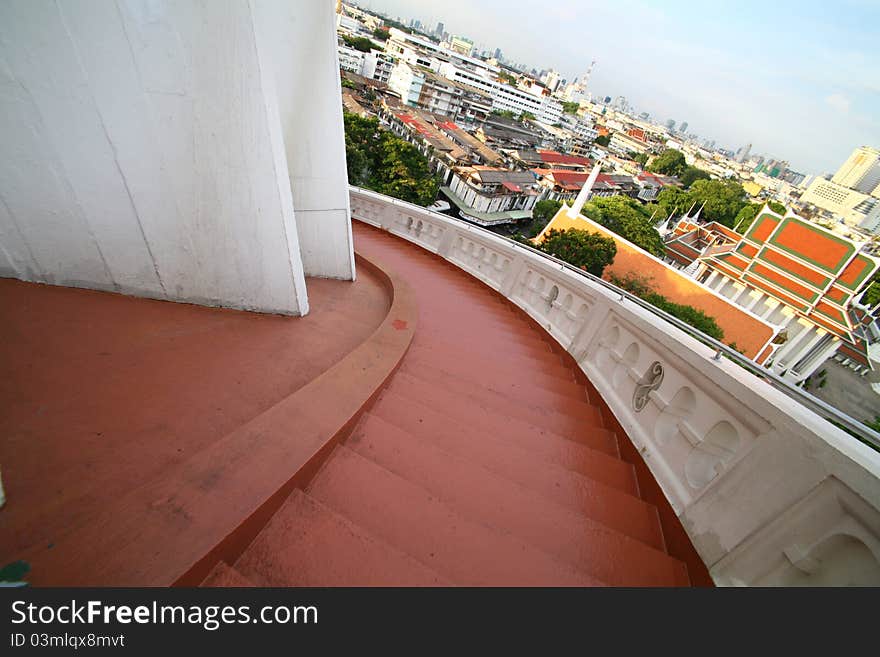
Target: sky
{"type": "Point", "coordinates": [800, 81]}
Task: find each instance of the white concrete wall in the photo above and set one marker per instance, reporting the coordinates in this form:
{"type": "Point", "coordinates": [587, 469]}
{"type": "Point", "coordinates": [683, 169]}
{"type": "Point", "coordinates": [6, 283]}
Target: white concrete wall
{"type": "Point", "coordinates": [301, 38]}
{"type": "Point", "coordinates": [142, 153]}
{"type": "Point", "coordinates": [768, 491]}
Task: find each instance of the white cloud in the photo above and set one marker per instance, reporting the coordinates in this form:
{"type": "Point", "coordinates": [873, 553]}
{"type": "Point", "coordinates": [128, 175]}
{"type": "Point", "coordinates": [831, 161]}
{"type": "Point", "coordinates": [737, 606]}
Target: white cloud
{"type": "Point", "coordinates": [838, 102]}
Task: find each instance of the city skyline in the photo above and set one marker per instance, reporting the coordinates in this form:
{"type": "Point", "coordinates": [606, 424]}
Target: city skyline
{"type": "Point", "coordinates": [703, 65]}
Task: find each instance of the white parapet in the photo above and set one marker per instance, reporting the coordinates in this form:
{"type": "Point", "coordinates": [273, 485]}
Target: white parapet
{"type": "Point", "coordinates": [769, 492]}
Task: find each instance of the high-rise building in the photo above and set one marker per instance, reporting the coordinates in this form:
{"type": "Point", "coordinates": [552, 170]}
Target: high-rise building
{"type": "Point", "coordinates": [743, 153]}
{"type": "Point", "coordinates": [683, 127]}
{"type": "Point", "coordinates": [438, 31]}
{"type": "Point", "coordinates": [670, 125]}
{"type": "Point", "coordinates": [861, 171]}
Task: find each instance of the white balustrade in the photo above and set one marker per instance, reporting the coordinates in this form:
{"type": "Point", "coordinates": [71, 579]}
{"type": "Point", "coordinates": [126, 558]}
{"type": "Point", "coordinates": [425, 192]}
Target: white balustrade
{"type": "Point", "coordinates": [768, 491]}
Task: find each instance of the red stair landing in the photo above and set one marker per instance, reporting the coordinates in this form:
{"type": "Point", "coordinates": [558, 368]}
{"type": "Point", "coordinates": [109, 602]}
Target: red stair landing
{"type": "Point", "coordinates": [483, 462]}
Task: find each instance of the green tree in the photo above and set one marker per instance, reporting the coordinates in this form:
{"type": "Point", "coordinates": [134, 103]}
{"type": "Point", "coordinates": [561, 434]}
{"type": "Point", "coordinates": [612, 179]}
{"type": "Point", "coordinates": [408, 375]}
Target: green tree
{"type": "Point", "coordinates": [570, 107]}
{"type": "Point", "coordinates": [746, 216]}
{"type": "Point", "coordinates": [641, 158]}
{"type": "Point", "coordinates": [358, 43]}
{"type": "Point", "coordinates": [872, 293]}
{"type": "Point", "coordinates": [542, 213]}
{"type": "Point", "coordinates": [721, 200]}
{"type": "Point", "coordinates": [508, 114]}
{"type": "Point", "coordinates": [671, 201]}
{"type": "Point", "coordinates": [584, 249]}
{"type": "Point", "coordinates": [670, 163]}
{"type": "Point", "coordinates": [526, 116]}
{"type": "Point", "coordinates": [628, 218]}
{"type": "Point", "coordinates": [381, 33]}
{"type": "Point", "coordinates": [381, 161]}
{"type": "Point", "coordinates": [506, 77]}
{"type": "Point", "coordinates": [691, 174]}
{"type": "Point", "coordinates": [602, 140]}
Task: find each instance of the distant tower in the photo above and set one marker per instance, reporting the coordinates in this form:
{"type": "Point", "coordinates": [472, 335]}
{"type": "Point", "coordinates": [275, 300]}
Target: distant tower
{"type": "Point", "coordinates": [683, 127]}
{"type": "Point", "coordinates": [670, 125]}
{"type": "Point", "coordinates": [744, 153]}
{"type": "Point", "coordinates": [586, 79]}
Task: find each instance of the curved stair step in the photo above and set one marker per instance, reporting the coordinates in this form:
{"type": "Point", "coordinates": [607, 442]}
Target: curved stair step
{"type": "Point", "coordinates": [502, 501]}
{"type": "Point", "coordinates": [308, 544]}
{"type": "Point", "coordinates": [415, 521]}
{"type": "Point", "coordinates": [462, 400]}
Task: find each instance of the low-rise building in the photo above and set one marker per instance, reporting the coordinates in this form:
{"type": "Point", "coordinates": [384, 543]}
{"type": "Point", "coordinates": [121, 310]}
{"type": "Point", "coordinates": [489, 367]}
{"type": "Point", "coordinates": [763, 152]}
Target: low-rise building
{"type": "Point", "coordinates": [490, 196]}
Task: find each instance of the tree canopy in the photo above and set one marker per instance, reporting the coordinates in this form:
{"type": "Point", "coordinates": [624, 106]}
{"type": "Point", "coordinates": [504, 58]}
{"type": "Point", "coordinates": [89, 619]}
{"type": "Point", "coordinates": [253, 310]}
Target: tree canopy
{"type": "Point", "coordinates": [381, 161]}
{"type": "Point", "coordinates": [628, 218]}
{"type": "Point", "coordinates": [747, 214]}
{"type": "Point", "coordinates": [602, 140]}
{"type": "Point", "coordinates": [872, 294]}
{"type": "Point", "coordinates": [723, 200]}
{"type": "Point", "coordinates": [641, 158]}
{"type": "Point", "coordinates": [570, 107]}
{"type": "Point", "coordinates": [669, 163]}
{"type": "Point", "coordinates": [587, 250]}
{"type": "Point", "coordinates": [542, 213]}
{"type": "Point", "coordinates": [358, 43]}
{"type": "Point", "coordinates": [692, 174]}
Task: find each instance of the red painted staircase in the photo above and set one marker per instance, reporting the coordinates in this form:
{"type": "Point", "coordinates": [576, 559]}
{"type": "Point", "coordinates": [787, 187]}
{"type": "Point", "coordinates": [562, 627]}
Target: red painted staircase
{"type": "Point", "coordinates": [483, 462]}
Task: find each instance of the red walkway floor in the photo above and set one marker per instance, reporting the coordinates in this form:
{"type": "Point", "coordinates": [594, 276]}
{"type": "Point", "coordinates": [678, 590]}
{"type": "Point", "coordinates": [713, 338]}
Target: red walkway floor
{"type": "Point", "coordinates": [483, 462]}
{"type": "Point", "coordinates": [101, 393]}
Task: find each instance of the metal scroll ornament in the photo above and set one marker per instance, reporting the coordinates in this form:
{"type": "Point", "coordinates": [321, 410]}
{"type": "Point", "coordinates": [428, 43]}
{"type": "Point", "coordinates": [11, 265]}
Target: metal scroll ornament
{"type": "Point", "coordinates": [651, 381]}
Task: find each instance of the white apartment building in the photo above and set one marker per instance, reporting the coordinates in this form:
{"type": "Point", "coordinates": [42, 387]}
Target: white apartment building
{"type": "Point", "coordinates": [861, 171]}
{"type": "Point", "coordinates": [507, 98]}
{"type": "Point", "coordinates": [423, 88]}
{"type": "Point", "coordinates": [350, 59]}
{"type": "Point", "coordinates": [854, 207]}
{"type": "Point", "coordinates": [377, 66]}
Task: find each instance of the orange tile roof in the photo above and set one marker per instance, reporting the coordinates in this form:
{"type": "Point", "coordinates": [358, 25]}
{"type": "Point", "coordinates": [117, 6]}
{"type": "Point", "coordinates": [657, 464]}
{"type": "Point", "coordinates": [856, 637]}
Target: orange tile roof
{"type": "Point", "coordinates": [823, 250]}
{"type": "Point", "coordinates": [748, 332]}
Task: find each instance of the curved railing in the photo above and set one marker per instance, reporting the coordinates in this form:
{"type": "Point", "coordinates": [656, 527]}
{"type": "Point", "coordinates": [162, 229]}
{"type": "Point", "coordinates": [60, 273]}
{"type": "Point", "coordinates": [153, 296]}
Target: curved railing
{"type": "Point", "coordinates": [830, 413]}
{"type": "Point", "coordinates": [764, 485]}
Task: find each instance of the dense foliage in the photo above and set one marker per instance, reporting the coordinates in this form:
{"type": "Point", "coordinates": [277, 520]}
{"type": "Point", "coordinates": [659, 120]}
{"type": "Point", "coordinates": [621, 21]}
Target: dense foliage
{"type": "Point", "coordinates": [570, 107]}
{"type": "Point", "coordinates": [542, 213]}
{"type": "Point", "coordinates": [746, 216]}
{"type": "Point", "coordinates": [641, 287]}
{"type": "Point", "coordinates": [629, 219]}
{"type": "Point", "coordinates": [602, 140]}
{"type": "Point", "coordinates": [358, 43]}
{"type": "Point", "coordinates": [723, 200]}
{"type": "Point", "coordinates": [692, 174]}
{"type": "Point", "coordinates": [381, 161]}
{"type": "Point", "coordinates": [669, 163]}
{"type": "Point", "coordinates": [587, 250]}
{"type": "Point", "coordinates": [872, 294]}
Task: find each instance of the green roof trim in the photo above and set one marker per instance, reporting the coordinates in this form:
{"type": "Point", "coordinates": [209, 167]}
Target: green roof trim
{"type": "Point", "coordinates": [781, 269]}
{"type": "Point", "coordinates": [849, 248]}
{"type": "Point", "coordinates": [866, 272]}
